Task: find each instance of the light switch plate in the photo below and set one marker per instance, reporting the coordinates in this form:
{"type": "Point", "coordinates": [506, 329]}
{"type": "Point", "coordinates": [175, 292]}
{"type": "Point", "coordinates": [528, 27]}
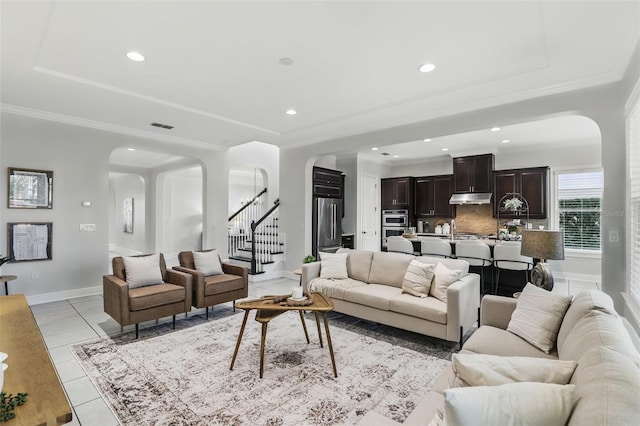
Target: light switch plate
{"type": "Point", "coordinates": [614, 237]}
{"type": "Point", "coordinates": [87, 227]}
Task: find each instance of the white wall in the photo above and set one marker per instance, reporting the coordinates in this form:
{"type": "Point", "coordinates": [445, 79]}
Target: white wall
{"type": "Point", "coordinates": [182, 219]}
{"type": "Point", "coordinates": [122, 187]}
{"type": "Point", "coordinates": [262, 156]}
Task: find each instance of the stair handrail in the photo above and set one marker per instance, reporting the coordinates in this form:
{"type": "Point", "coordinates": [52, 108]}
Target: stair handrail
{"type": "Point", "coordinates": [254, 225]}
{"type": "Point", "coordinates": [247, 204]}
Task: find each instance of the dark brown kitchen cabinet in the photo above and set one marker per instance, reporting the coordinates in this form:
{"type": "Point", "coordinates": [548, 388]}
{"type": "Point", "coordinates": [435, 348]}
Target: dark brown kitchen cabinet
{"type": "Point", "coordinates": [397, 193]}
{"type": "Point", "coordinates": [432, 196]}
{"type": "Point", "coordinates": [531, 183]}
{"type": "Point", "coordinates": [327, 183]}
{"type": "Point", "coordinates": [473, 173]}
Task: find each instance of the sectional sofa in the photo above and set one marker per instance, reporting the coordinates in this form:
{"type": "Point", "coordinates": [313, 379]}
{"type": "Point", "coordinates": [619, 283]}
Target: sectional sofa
{"type": "Point", "coordinates": [605, 379]}
{"type": "Point", "coordinates": [372, 290]}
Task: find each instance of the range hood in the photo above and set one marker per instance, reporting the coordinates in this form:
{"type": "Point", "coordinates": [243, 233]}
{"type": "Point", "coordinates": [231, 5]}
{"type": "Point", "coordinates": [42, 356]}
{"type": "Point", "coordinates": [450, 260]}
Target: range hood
{"type": "Point", "coordinates": [471, 198]}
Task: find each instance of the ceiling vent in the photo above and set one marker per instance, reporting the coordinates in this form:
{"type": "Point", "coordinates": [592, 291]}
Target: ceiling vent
{"type": "Point", "coordinates": [163, 126]}
{"type": "Point", "coordinates": [385, 153]}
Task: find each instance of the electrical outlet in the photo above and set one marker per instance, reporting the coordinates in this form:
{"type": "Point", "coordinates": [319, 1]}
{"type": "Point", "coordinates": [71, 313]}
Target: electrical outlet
{"type": "Point", "coordinates": [35, 275]}
{"type": "Point", "coordinates": [87, 227]}
{"type": "Point", "coordinates": [614, 237]}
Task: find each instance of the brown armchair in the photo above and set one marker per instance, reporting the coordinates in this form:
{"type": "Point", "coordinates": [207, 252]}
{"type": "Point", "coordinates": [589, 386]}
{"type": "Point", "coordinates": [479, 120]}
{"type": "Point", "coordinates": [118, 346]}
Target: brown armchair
{"type": "Point", "coordinates": [210, 290]}
{"type": "Point", "coordinates": [134, 305]}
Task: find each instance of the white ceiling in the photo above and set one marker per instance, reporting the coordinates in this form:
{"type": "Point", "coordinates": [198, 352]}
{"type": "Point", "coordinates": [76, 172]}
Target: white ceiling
{"type": "Point", "coordinates": [213, 70]}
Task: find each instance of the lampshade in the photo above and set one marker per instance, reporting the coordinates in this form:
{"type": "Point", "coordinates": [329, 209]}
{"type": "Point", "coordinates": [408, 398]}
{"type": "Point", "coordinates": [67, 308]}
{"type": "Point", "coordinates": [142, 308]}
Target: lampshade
{"type": "Point", "coordinates": [543, 244]}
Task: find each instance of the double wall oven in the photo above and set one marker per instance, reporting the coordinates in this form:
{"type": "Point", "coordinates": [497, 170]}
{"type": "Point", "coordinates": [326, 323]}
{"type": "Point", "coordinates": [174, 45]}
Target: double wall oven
{"type": "Point", "coordinates": [394, 223]}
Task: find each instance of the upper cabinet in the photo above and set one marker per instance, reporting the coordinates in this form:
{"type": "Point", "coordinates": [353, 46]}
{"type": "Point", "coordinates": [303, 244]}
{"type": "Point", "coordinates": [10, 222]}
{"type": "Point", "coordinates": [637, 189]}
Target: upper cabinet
{"type": "Point", "coordinates": [432, 196]}
{"type": "Point", "coordinates": [531, 183]}
{"type": "Point", "coordinates": [473, 173]}
{"type": "Point", "coordinates": [397, 193]}
{"type": "Point", "coordinates": [327, 183]}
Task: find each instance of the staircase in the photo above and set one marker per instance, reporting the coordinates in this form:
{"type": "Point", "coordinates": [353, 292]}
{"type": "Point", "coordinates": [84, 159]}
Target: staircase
{"type": "Point", "coordinates": [254, 239]}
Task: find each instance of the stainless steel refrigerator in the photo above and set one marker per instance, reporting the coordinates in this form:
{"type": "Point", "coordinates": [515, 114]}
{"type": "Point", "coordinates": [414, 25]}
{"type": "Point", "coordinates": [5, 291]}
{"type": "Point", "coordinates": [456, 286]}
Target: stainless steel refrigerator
{"type": "Point", "coordinates": [328, 225]}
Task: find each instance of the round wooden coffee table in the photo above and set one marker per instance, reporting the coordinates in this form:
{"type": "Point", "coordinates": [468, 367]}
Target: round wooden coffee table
{"type": "Point", "coordinates": [268, 310]}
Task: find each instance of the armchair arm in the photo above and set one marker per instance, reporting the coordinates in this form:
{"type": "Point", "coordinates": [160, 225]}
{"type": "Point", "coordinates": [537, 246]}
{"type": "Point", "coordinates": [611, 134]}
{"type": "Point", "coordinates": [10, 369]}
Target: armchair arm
{"type": "Point", "coordinates": [463, 301]}
{"type": "Point", "coordinates": [230, 268]}
{"type": "Point", "coordinates": [182, 279]}
{"type": "Point", "coordinates": [115, 293]}
{"type": "Point", "coordinates": [496, 310]}
{"type": "Point", "coordinates": [309, 272]}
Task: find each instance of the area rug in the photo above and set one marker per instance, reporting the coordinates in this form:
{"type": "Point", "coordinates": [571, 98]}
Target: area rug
{"type": "Point", "coordinates": [182, 377]}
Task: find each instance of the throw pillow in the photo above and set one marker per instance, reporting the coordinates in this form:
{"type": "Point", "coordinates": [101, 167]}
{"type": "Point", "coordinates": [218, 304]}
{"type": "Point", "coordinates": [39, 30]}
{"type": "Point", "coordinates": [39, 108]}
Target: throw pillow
{"type": "Point", "coordinates": [523, 403]}
{"type": "Point", "coordinates": [442, 279]}
{"type": "Point", "coordinates": [141, 271]}
{"type": "Point", "coordinates": [492, 370]}
{"type": "Point", "coordinates": [333, 266]}
{"type": "Point", "coordinates": [417, 279]}
{"type": "Point", "coordinates": [538, 316]}
{"type": "Point", "coordinates": [207, 262]}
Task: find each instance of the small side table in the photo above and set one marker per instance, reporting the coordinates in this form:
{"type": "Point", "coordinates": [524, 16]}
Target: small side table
{"type": "Point", "coordinates": [7, 278]}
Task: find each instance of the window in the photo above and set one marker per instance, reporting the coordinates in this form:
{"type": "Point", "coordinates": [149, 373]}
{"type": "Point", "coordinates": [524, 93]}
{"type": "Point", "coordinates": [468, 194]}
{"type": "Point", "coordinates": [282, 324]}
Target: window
{"type": "Point", "coordinates": [580, 208]}
{"type": "Point", "coordinates": [634, 201]}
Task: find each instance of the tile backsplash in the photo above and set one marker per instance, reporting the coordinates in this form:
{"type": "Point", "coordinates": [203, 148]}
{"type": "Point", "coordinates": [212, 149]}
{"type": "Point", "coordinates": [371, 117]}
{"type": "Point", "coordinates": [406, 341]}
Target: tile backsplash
{"type": "Point", "coordinates": [478, 219]}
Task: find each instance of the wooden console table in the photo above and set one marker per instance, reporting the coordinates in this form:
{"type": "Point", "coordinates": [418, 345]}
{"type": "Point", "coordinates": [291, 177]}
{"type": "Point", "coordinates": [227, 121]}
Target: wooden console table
{"type": "Point", "coordinates": [30, 368]}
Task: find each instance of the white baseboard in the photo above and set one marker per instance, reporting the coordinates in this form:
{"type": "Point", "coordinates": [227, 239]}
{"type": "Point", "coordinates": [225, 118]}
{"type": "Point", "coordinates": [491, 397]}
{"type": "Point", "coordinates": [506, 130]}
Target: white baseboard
{"type": "Point", "coordinates": [63, 295]}
{"type": "Point", "coordinates": [267, 275]}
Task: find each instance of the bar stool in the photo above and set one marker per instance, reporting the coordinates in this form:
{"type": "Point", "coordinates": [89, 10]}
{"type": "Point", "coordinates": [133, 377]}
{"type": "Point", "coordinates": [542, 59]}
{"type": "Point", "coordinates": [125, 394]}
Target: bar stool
{"type": "Point", "coordinates": [506, 255]}
{"type": "Point", "coordinates": [399, 244]}
{"type": "Point", "coordinates": [435, 247]}
{"type": "Point", "coordinates": [477, 254]}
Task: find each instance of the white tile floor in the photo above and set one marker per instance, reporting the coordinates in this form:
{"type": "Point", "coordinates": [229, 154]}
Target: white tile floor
{"type": "Point", "coordinates": [72, 321]}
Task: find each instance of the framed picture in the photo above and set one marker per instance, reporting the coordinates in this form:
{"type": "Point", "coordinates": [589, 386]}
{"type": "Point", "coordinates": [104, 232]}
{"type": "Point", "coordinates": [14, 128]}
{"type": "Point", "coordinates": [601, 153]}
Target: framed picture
{"type": "Point", "coordinates": [30, 189]}
{"type": "Point", "coordinates": [30, 241]}
{"type": "Point", "coordinates": [127, 211]}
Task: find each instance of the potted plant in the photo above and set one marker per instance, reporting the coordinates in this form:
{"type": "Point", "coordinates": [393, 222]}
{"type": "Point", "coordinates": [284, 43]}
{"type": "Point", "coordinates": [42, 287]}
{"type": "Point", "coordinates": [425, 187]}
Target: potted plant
{"type": "Point", "coordinates": [309, 258]}
{"type": "Point", "coordinates": [512, 204]}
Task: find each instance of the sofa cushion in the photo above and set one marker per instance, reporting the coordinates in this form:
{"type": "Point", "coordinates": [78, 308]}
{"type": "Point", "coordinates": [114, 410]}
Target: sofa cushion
{"type": "Point", "coordinates": [217, 284]}
{"type": "Point", "coordinates": [583, 303]}
{"type": "Point", "coordinates": [443, 277]}
{"type": "Point", "coordinates": [155, 295]}
{"type": "Point", "coordinates": [538, 316]}
{"type": "Point", "coordinates": [417, 280]}
{"type": "Point", "coordinates": [496, 341]}
{"type": "Point", "coordinates": [142, 270]}
{"type": "Point", "coordinates": [523, 403]}
{"type": "Point", "coordinates": [359, 264]}
{"type": "Point", "coordinates": [373, 295]}
{"type": "Point", "coordinates": [607, 389]}
{"type": "Point", "coordinates": [389, 268]}
{"type": "Point", "coordinates": [492, 370]}
{"type": "Point", "coordinates": [428, 308]}
{"type": "Point", "coordinates": [333, 265]}
{"type": "Point", "coordinates": [207, 262]}
{"type": "Point", "coordinates": [333, 288]}
{"type": "Point", "coordinates": [597, 329]}
{"type": "Point", "coordinates": [457, 264]}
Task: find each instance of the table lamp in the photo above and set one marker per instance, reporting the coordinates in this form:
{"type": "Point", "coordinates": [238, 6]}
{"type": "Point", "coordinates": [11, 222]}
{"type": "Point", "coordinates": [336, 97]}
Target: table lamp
{"type": "Point", "coordinates": [542, 245]}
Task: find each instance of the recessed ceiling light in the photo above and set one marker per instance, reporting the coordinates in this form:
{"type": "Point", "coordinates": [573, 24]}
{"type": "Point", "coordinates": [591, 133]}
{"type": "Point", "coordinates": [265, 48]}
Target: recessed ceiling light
{"type": "Point", "coordinates": [131, 149]}
{"type": "Point", "coordinates": [135, 56]}
{"type": "Point", "coordinates": [291, 112]}
{"type": "Point", "coordinates": [374, 149]}
{"type": "Point", "coordinates": [396, 156]}
{"type": "Point", "coordinates": [426, 68]}
{"type": "Point", "coordinates": [285, 61]}
{"type": "Point", "coordinates": [506, 141]}
{"type": "Point", "coordinates": [444, 149]}
{"type": "Point", "coordinates": [495, 129]}
{"type": "Point", "coordinates": [426, 140]}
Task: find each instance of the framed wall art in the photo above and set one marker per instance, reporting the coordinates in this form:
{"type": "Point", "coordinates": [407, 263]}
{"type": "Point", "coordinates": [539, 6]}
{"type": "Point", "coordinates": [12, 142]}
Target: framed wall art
{"type": "Point", "coordinates": [30, 189]}
{"type": "Point", "coordinates": [127, 211]}
{"type": "Point", "coordinates": [30, 241]}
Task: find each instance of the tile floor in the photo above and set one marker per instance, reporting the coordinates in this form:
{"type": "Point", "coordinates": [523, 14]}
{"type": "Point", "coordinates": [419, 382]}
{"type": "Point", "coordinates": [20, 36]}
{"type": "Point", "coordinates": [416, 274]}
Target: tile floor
{"type": "Point", "coordinates": [72, 321]}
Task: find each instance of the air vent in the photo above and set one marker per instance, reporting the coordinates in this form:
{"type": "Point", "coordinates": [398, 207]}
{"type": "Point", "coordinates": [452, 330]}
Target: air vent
{"type": "Point", "coordinates": [385, 153]}
{"type": "Point", "coordinates": [163, 126]}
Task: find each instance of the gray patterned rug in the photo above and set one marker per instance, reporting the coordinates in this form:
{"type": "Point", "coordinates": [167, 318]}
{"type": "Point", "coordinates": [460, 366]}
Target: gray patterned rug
{"type": "Point", "coordinates": [182, 377]}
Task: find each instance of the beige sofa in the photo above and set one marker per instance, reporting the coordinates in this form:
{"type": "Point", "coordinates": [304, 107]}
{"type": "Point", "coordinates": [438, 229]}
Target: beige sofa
{"type": "Point", "coordinates": [373, 291]}
{"type": "Point", "coordinates": [607, 377]}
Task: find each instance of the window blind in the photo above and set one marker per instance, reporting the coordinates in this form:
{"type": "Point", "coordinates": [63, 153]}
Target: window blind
{"type": "Point", "coordinates": [634, 196]}
{"type": "Point", "coordinates": [580, 208]}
